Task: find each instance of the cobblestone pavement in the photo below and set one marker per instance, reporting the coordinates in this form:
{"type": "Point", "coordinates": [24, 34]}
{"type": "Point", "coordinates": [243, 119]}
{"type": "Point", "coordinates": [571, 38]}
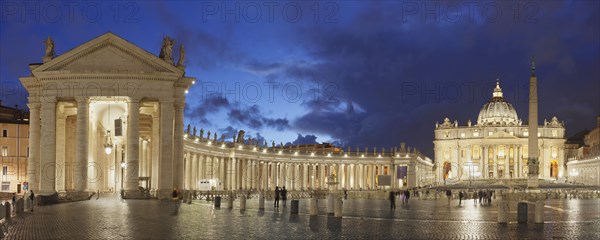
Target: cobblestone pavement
{"type": "Point", "coordinates": [112, 218]}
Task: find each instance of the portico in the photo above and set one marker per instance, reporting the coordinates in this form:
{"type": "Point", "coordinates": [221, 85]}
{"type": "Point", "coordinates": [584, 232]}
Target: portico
{"type": "Point", "coordinates": [104, 116]}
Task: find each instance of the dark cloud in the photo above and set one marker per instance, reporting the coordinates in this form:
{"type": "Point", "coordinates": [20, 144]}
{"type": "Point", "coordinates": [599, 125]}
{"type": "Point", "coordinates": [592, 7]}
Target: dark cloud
{"type": "Point", "coordinates": [306, 139]}
{"type": "Point", "coordinates": [210, 105]}
{"type": "Point", "coordinates": [254, 118]}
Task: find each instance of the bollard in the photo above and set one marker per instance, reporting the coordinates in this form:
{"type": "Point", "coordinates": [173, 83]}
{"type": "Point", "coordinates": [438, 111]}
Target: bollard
{"type": "Point", "coordinates": [218, 202]}
{"type": "Point", "coordinates": [313, 206]}
{"type": "Point", "coordinates": [294, 206]}
{"type": "Point", "coordinates": [338, 208]}
{"type": "Point", "coordinates": [522, 212]}
{"type": "Point", "coordinates": [7, 209]}
{"type": "Point", "coordinates": [539, 211]}
{"type": "Point", "coordinates": [243, 203]}
{"type": "Point", "coordinates": [330, 202]}
{"type": "Point", "coordinates": [502, 210]}
{"type": "Point", "coordinates": [261, 201]}
{"type": "Point", "coordinates": [2, 213]}
{"type": "Point", "coordinates": [230, 201]}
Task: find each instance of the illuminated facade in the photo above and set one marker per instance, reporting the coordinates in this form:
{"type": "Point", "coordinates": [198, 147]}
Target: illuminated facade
{"type": "Point", "coordinates": [496, 146]}
{"type": "Point", "coordinates": [14, 142]}
{"type": "Point", "coordinates": [583, 165]}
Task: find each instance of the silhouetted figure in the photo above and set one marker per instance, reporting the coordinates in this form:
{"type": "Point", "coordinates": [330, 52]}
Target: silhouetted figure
{"type": "Point", "coordinates": [283, 195]}
{"type": "Point", "coordinates": [31, 197]}
{"type": "Point", "coordinates": [460, 197]}
{"type": "Point", "coordinates": [277, 193]}
{"type": "Point", "coordinates": [392, 200]}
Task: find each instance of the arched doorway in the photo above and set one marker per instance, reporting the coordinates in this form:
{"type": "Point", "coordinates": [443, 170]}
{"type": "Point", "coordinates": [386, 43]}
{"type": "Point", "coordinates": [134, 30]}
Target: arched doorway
{"type": "Point", "coordinates": [554, 169]}
{"type": "Point", "coordinates": [447, 168]}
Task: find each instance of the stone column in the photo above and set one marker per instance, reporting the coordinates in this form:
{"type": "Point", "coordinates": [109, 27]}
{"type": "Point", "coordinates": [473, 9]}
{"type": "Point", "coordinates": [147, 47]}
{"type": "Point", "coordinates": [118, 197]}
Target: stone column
{"type": "Point", "coordinates": [188, 170]}
{"type": "Point", "coordinates": [60, 152]}
{"type": "Point", "coordinates": [518, 168]}
{"type": "Point", "coordinates": [178, 144]}
{"type": "Point", "coordinates": [194, 158]}
{"type": "Point", "coordinates": [81, 148]}
{"type": "Point", "coordinates": [133, 147]}
{"type": "Point", "coordinates": [507, 161]}
{"type": "Point", "coordinates": [48, 147]}
{"type": "Point", "coordinates": [33, 162]}
{"type": "Point", "coordinates": [155, 150]}
{"type": "Point", "coordinates": [485, 171]}
{"type": "Point", "coordinates": [165, 181]}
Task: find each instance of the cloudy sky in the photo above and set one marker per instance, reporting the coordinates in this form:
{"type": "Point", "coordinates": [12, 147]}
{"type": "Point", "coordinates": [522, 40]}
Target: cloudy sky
{"type": "Point", "coordinates": [357, 73]}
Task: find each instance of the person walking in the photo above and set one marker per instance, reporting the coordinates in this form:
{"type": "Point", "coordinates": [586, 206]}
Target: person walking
{"type": "Point", "coordinates": [460, 197]}
{"type": "Point", "coordinates": [284, 195]}
{"type": "Point", "coordinates": [277, 193]}
{"type": "Point", "coordinates": [392, 200]}
{"type": "Point", "coordinates": [480, 195]}
{"type": "Point", "coordinates": [448, 195]}
{"type": "Point", "coordinates": [31, 197]}
{"type": "Point", "coordinates": [406, 196]}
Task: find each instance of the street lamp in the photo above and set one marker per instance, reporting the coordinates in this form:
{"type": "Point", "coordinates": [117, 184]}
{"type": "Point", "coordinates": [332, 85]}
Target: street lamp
{"type": "Point", "coordinates": [108, 143]}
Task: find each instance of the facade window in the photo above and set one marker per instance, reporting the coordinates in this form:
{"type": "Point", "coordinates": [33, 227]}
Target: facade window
{"type": "Point", "coordinates": [554, 133]}
{"type": "Point", "coordinates": [490, 133]}
{"type": "Point", "coordinates": [4, 132]}
{"type": "Point", "coordinates": [4, 152]}
{"type": "Point", "coordinates": [475, 134]}
{"type": "Point", "coordinates": [476, 152]}
{"type": "Point", "coordinates": [462, 135]}
{"type": "Point", "coordinates": [4, 170]}
{"type": "Point", "coordinates": [526, 134]}
{"type": "Point", "coordinates": [5, 186]}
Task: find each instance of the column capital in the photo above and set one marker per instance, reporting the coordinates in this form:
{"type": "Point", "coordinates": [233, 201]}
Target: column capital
{"type": "Point", "coordinates": [134, 100]}
{"type": "Point", "coordinates": [34, 105]}
{"type": "Point", "coordinates": [82, 99]}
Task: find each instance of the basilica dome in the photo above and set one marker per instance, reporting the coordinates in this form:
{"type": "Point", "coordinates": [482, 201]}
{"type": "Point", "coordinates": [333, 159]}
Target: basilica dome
{"type": "Point", "coordinates": [498, 112]}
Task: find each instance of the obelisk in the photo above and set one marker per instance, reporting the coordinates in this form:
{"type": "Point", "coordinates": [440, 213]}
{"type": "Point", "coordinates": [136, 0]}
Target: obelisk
{"type": "Point", "coordinates": [533, 152]}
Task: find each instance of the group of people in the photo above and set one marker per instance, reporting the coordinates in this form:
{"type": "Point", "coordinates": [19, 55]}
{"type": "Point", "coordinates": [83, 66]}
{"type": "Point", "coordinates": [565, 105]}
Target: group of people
{"type": "Point", "coordinates": [404, 195]}
{"type": "Point", "coordinates": [14, 200]}
{"type": "Point", "coordinates": [280, 193]}
{"type": "Point", "coordinates": [484, 197]}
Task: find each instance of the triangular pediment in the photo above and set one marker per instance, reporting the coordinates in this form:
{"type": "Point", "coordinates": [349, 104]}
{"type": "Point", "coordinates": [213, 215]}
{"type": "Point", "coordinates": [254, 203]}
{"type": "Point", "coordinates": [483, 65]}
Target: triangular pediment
{"type": "Point", "coordinates": [501, 135]}
{"type": "Point", "coordinates": [108, 53]}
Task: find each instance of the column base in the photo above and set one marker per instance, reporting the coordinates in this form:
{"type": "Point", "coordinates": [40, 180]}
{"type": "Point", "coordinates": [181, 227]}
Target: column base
{"type": "Point", "coordinates": [164, 194]}
{"type": "Point", "coordinates": [75, 195]}
{"type": "Point", "coordinates": [134, 194]}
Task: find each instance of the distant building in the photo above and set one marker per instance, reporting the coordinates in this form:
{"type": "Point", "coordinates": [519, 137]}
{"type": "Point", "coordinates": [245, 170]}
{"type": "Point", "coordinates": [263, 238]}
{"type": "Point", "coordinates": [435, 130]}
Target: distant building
{"type": "Point", "coordinates": [14, 146]}
{"type": "Point", "coordinates": [496, 146]}
{"type": "Point", "coordinates": [583, 157]}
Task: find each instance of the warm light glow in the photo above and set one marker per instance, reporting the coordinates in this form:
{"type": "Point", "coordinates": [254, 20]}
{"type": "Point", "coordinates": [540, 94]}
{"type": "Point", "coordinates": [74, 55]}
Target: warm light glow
{"type": "Point", "coordinates": [254, 149]}
{"type": "Point", "coordinates": [240, 147]}
{"type": "Point", "coordinates": [108, 150]}
{"type": "Point", "coordinates": [312, 154]}
{"type": "Point", "coordinates": [209, 142]}
{"type": "Point", "coordinates": [264, 150]}
{"type": "Point", "coordinates": [123, 165]}
{"type": "Point", "coordinates": [280, 152]}
{"type": "Point", "coordinates": [186, 91]}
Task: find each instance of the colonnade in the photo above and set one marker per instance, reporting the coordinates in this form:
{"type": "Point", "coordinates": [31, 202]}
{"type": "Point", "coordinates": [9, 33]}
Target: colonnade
{"type": "Point", "coordinates": [238, 166]}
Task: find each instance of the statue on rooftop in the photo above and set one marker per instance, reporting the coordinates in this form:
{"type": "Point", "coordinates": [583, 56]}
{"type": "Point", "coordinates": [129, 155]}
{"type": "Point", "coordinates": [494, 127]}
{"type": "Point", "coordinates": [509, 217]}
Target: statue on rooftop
{"type": "Point", "coordinates": [181, 57]}
{"type": "Point", "coordinates": [166, 52]}
{"type": "Point", "coordinates": [49, 50]}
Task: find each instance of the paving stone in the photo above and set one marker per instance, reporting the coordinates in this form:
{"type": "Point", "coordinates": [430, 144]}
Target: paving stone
{"type": "Point", "coordinates": [112, 218]}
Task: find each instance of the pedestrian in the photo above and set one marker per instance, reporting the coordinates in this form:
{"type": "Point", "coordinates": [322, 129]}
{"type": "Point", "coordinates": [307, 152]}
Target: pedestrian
{"type": "Point", "coordinates": [31, 197]}
{"type": "Point", "coordinates": [14, 200]}
{"type": "Point", "coordinates": [490, 197]}
{"type": "Point", "coordinates": [284, 195]}
{"type": "Point", "coordinates": [448, 195]}
{"type": "Point", "coordinates": [277, 193]}
{"type": "Point", "coordinates": [407, 196]}
{"type": "Point", "coordinates": [460, 197]}
{"type": "Point", "coordinates": [345, 194]}
{"type": "Point", "coordinates": [392, 200]}
{"type": "Point", "coordinates": [480, 195]}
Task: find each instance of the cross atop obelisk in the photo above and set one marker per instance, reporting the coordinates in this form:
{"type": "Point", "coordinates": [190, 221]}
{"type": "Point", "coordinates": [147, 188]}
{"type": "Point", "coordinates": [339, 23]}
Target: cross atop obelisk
{"type": "Point", "coordinates": [533, 152]}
